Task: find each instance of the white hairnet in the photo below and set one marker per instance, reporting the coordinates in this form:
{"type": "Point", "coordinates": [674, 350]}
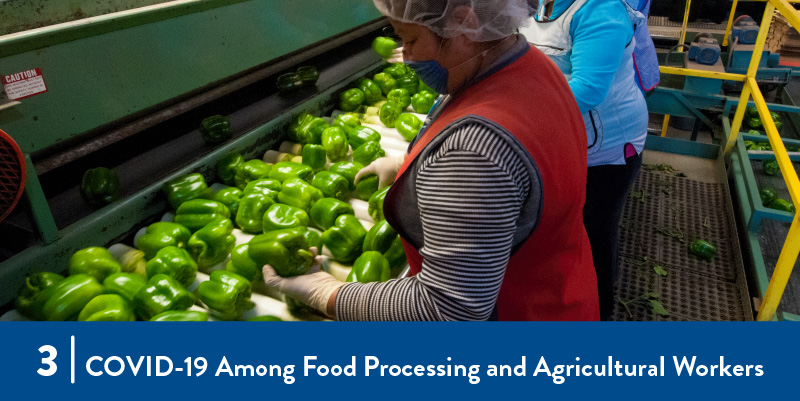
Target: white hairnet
{"type": "Point", "coordinates": [496, 19]}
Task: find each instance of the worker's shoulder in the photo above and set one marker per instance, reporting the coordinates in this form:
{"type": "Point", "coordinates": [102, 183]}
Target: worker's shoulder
{"type": "Point", "coordinates": [482, 138]}
{"type": "Point", "coordinates": [602, 12]}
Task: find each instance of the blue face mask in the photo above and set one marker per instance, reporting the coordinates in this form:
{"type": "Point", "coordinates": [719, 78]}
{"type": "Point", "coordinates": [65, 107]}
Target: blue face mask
{"type": "Point", "coordinates": [431, 73]}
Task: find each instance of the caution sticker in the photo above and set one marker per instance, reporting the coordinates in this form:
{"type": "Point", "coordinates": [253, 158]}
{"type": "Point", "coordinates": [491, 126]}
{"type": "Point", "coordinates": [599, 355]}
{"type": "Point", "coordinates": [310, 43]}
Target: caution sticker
{"type": "Point", "coordinates": [24, 84]}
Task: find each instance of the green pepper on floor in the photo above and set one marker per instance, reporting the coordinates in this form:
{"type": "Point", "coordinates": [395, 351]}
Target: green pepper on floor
{"type": "Point", "coordinates": [702, 249]}
{"type": "Point", "coordinates": [289, 82]}
{"type": "Point", "coordinates": [314, 156]}
{"type": "Point", "coordinates": [94, 261]}
{"type": "Point", "coordinates": [211, 244]}
{"type": "Point", "coordinates": [174, 262]}
{"type": "Point", "coordinates": [401, 97]}
{"type": "Point", "coordinates": [285, 250]}
{"type": "Point", "coordinates": [767, 196]}
{"type": "Point", "coordinates": [32, 295]}
{"type": "Point", "coordinates": [367, 153]}
{"type": "Point", "coordinates": [350, 99]}
{"type": "Point", "coordinates": [372, 92]}
{"type": "Point", "coordinates": [389, 113]}
{"type": "Point", "coordinates": [279, 217]}
{"type": "Point", "coordinates": [325, 212]}
{"type": "Point", "coordinates": [382, 238]}
{"type": "Point", "coordinates": [334, 141]}
{"type": "Point", "coordinates": [385, 81]}
{"type": "Point", "coordinates": [180, 316]}
{"type": "Point", "coordinates": [182, 189]}
{"type": "Point", "coordinates": [422, 102]}
{"type": "Point", "coordinates": [242, 264]}
{"type": "Point", "coordinates": [66, 299]}
{"type": "Point", "coordinates": [285, 170]}
{"type": "Point", "coordinates": [376, 204]}
{"type": "Point", "coordinates": [348, 170]}
{"type": "Point", "coordinates": [226, 294]}
{"type": "Point", "coordinates": [361, 135]}
{"type": "Point", "coordinates": [100, 186]}
{"type": "Point", "coordinates": [345, 238]}
{"type": "Point", "coordinates": [250, 217]}
{"type": "Point", "coordinates": [162, 234]}
{"type": "Point", "coordinates": [196, 213]}
{"type": "Point", "coordinates": [162, 293]}
{"type": "Point", "coordinates": [229, 197]}
{"type": "Point", "coordinates": [384, 46]}
{"type": "Point", "coordinates": [331, 185]}
{"type": "Point", "coordinates": [251, 170]}
{"type": "Point", "coordinates": [216, 129]}
{"type": "Point", "coordinates": [125, 285]}
{"type": "Point", "coordinates": [371, 266]}
{"type": "Point", "coordinates": [308, 74]}
{"type": "Point", "coordinates": [770, 167]}
{"type": "Point", "coordinates": [367, 186]}
{"type": "Point", "coordinates": [408, 125]}
{"type": "Point", "coordinates": [299, 193]}
{"type": "Point", "coordinates": [107, 308]}
{"type": "Point", "coordinates": [227, 166]}
{"type": "Point", "coordinates": [782, 204]}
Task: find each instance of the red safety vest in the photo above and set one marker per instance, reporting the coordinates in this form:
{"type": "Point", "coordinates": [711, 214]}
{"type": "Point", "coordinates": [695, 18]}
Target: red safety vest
{"type": "Point", "coordinates": [551, 276]}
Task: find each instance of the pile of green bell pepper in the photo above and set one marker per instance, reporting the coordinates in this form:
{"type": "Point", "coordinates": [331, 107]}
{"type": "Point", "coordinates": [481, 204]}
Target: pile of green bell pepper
{"type": "Point", "coordinates": [216, 129]}
{"type": "Point", "coordinates": [160, 235]}
{"type": "Point", "coordinates": [285, 170]}
{"type": "Point", "coordinates": [280, 217]}
{"type": "Point", "coordinates": [174, 262]}
{"type": "Point", "coordinates": [348, 170]}
{"type": "Point", "coordinates": [49, 296]}
{"type": "Point", "coordinates": [250, 217]}
{"type": "Point", "coordinates": [299, 193]}
{"type": "Point", "coordinates": [311, 130]}
{"type": "Point", "coordinates": [334, 141]}
{"type": "Point", "coordinates": [367, 153]}
{"type": "Point", "coordinates": [251, 170]}
{"type": "Point", "coordinates": [107, 308]}
{"type": "Point", "coordinates": [287, 251]}
{"type": "Point", "coordinates": [211, 244]}
{"type": "Point", "coordinates": [226, 294]}
{"type": "Point", "coordinates": [94, 261]}
{"type": "Point", "coordinates": [182, 189]}
{"type": "Point", "coordinates": [125, 285]}
{"type": "Point", "coordinates": [331, 185]}
{"type": "Point", "coordinates": [227, 167]}
{"type": "Point", "coordinates": [325, 212]}
{"type": "Point", "coordinates": [264, 186]}
{"type": "Point", "coordinates": [369, 267]}
{"type": "Point", "coordinates": [383, 238]}
{"type": "Point", "coordinates": [345, 238]}
{"type": "Point", "coordinates": [376, 204]}
{"type": "Point", "coordinates": [408, 125]}
{"type": "Point", "coordinates": [196, 213]}
{"type": "Point", "coordinates": [32, 296]}
{"type": "Point", "coordinates": [100, 186]}
{"type": "Point", "coordinates": [162, 293]}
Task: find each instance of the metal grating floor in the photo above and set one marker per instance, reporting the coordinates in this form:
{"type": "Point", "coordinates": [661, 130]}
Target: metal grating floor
{"type": "Point", "coordinates": [659, 203]}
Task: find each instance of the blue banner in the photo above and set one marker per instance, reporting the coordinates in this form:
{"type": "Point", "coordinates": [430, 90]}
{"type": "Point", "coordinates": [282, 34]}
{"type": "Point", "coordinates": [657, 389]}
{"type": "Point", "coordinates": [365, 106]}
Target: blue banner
{"type": "Point", "coordinates": [396, 360]}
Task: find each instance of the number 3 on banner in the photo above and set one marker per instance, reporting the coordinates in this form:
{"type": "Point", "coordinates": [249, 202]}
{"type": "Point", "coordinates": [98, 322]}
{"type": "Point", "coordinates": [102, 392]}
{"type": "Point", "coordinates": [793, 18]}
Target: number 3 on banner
{"type": "Point", "coordinates": [51, 366]}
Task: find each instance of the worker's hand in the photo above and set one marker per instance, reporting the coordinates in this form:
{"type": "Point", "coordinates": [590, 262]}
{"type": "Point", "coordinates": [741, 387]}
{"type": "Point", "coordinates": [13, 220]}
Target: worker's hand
{"type": "Point", "coordinates": [397, 55]}
{"type": "Point", "coordinates": [313, 289]}
{"type": "Point", "coordinates": [385, 168]}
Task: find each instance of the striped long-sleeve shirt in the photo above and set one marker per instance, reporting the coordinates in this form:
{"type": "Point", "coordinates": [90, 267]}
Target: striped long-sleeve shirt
{"type": "Point", "coordinates": [470, 195]}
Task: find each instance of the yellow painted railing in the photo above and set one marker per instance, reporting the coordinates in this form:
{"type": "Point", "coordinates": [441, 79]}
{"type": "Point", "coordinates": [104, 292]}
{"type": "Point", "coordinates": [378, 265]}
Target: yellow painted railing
{"type": "Point", "coordinates": [791, 247]}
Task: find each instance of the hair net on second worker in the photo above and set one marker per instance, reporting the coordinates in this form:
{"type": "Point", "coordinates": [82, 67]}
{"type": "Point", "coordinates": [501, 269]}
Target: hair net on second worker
{"type": "Point", "coordinates": [496, 19]}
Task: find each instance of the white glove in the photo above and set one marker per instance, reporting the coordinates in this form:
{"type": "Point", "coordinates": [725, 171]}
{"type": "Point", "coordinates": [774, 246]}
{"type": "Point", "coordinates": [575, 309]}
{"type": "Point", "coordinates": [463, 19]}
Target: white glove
{"type": "Point", "coordinates": [397, 55]}
{"type": "Point", "coordinates": [313, 289]}
{"type": "Point", "coordinates": [385, 168]}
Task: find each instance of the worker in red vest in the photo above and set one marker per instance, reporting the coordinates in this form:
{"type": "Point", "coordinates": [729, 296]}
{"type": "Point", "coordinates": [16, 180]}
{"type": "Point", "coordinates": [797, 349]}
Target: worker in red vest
{"type": "Point", "coordinates": [489, 199]}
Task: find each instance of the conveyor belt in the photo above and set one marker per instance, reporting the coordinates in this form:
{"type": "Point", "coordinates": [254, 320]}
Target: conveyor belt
{"type": "Point", "coordinates": [662, 28]}
{"type": "Point", "coordinates": [686, 208]}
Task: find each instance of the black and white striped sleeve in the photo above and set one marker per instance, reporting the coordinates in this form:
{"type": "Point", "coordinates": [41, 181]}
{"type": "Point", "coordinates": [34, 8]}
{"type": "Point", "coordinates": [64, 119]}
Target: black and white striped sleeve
{"type": "Point", "coordinates": [470, 194]}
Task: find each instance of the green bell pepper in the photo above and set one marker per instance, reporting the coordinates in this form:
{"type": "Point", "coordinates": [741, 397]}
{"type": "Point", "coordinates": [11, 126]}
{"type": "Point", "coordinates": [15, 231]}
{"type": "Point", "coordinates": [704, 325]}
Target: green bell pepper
{"type": "Point", "coordinates": [767, 195]}
{"type": "Point", "coordinates": [107, 308]}
{"type": "Point", "coordinates": [408, 125]}
{"type": "Point", "coordinates": [182, 189]}
{"type": "Point", "coordinates": [345, 238]}
{"type": "Point", "coordinates": [754, 122]}
{"type": "Point", "coordinates": [325, 212]}
{"type": "Point", "coordinates": [389, 113]}
{"type": "Point", "coordinates": [32, 295]}
{"type": "Point", "coordinates": [196, 213]}
{"type": "Point", "coordinates": [313, 237]}
{"type": "Point", "coordinates": [369, 267]}
{"type": "Point", "coordinates": [350, 99]}
{"type": "Point", "coordinates": [367, 153]}
{"type": "Point", "coordinates": [400, 96]}
{"type": "Point", "coordinates": [396, 70]}
{"type": "Point", "coordinates": [94, 261]}
{"type": "Point", "coordinates": [422, 102]}
{"type": "Point", "coordinates": [334, 141]}
{"type": "Point", "coordinates": [372, 92]}
{"type": "Point", "coordinates": [66, 299]}
{"type": "Point", "coordinates": [250, 217]}
{"type": "Point", "coordinates": [425, 88]}
{"type": "Point", "coordinates": [162, 234]}
{"type": "Point", "coordinates": [227, 166]}
{"type": "Point", "coordinates": [770, 167]}
{"type": "Point", "coordinates": [299, 193]}
{"type": "Point", "coordinates": [331, 185]}
{"type": "Point", "coordinates": [174, 262]}
{"type": "Point", "coordinates": [754, 132]}
{"type": "Point", "coordinates": [384, 46]}
{"type": "Point", "coordinates": [311, 131]}
{"type": "Point", "coordinates": [751, 112]}
{"type": "Point", "coordinates": [180, 316]}
{"type": "Point", "coordinates": [385, 81]}
{"type": "Point", "coordinates": [367, 186]}
{"type": "Point", "coordinates": [211, 244]}
{"type": "Point", "coordinates": [289, 82]}
{"type": "Point", "coordinates": [229, 197]}
{"type": "Point", "coordinates": [348, 122]}
{"type": "Point", "coordinates": [285, 250]}
{"type": "Point", "coordinates": [782, 204]}
{"type": "Point", "coordinates": [376, 204]}
{"type": "Point", "coordinates": [286, 170]}
{"type": "Point", "coordinates": [702, 249]}
{"type": "Point", "coordinates": [125, 285]}
{"type": "Point", "coordinates": [265, 318]}
{"type": "Point", "coordinates": [227, 294]}
{"type": "Point", "coordinates": [242, 264]}
{"type": "Point", "coordinates": [749, 144]}
{"type": "Point", "coordinates": [99, 186]}
{"type": "Point", "coordinates": [251, 170]}
{"type": "Point", "coordinates": [409, 82]}
{"type": "Point", "coordinates": [216, 129]}
{"type": "Point", "coordinates": [280, 217]}
{"type": "Point", "coordinates": [382, 238]}
{"type": "Point", "coordinates": [265, 186]}
{"type": "Point", "coordinates": [314, 156]}
{"type": "Point", "coordinates": [348, 170]}
{"type": "Point", "coordinates": [308, 74]}
{"type": "Point", "coordinates": [361, 135]}
{"type": "Point", "coordinates": [162, 293]}
{"type": "Point", "coordinates": [298, 122]}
